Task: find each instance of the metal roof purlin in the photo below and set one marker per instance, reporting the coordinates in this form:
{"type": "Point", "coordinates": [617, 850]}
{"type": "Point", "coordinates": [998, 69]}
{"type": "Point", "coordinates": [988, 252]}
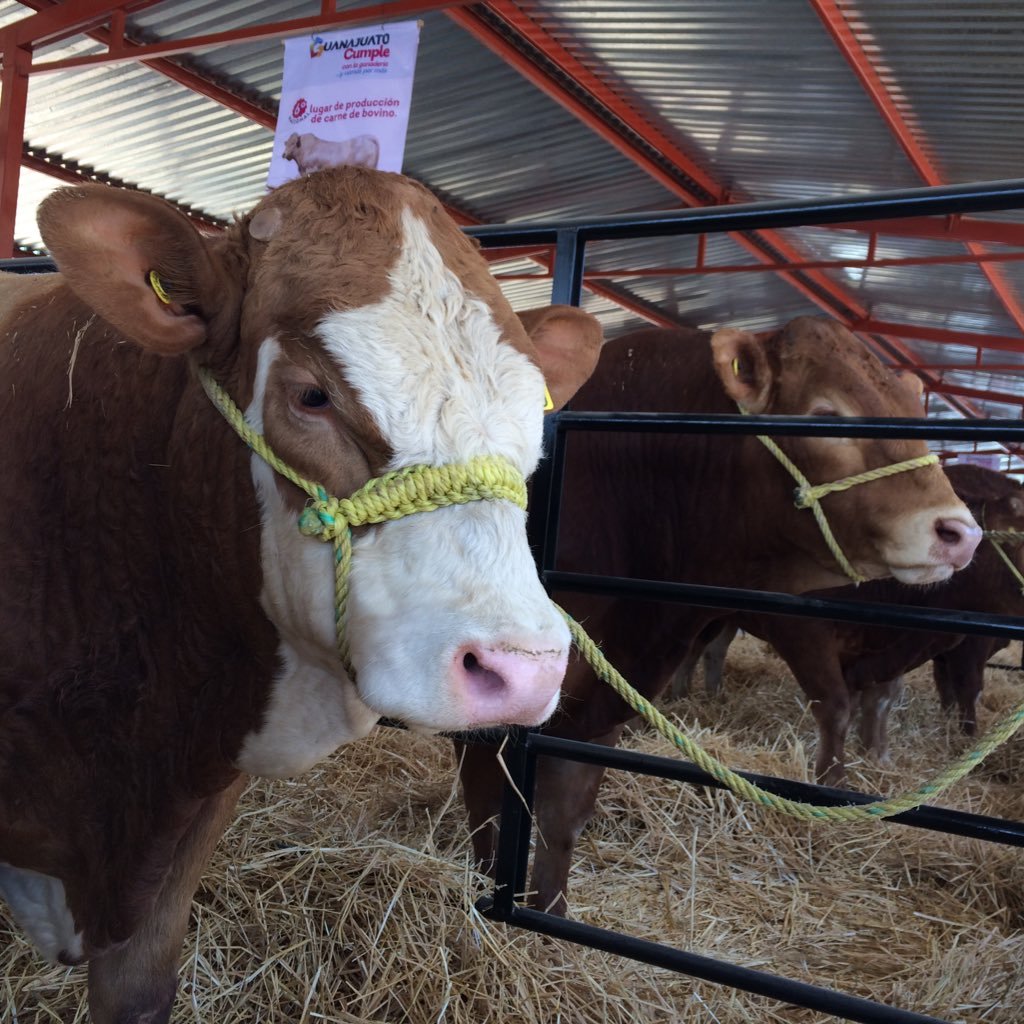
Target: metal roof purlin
{"type": "Point", "coordinates": [66, 19]}
{"type": "Point", "coordinates": [71, 173]}
{"type": "Point", "coordinates": [190, 78]}
{"type": "Point", "coordinates": [849, 46]}
{"type": "Point", "coordinates": [120, 51]}
{"type": "Point", "coordinates": [625, 126]}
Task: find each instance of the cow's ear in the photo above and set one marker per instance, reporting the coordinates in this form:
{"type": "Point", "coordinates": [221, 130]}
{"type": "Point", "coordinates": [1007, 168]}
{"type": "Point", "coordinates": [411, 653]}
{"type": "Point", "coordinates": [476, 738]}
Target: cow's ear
{"type": "Point", "coordinates": [743, 368]}
{"type": "Point", "coordinates": [568, 342]}
{"type": "Point", "coordinates": [135, 260]}
{"type": "Point", "coordinates": [911, 383]}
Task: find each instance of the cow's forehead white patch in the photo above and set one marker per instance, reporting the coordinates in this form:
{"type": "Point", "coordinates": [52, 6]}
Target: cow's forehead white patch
{"type": "Point", "coordinates": [430, 367]}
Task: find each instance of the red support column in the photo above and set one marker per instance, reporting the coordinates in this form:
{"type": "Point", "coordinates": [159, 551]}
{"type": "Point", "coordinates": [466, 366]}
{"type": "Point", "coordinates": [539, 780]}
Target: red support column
{"type": "Point", "coordinates": [13, 100]}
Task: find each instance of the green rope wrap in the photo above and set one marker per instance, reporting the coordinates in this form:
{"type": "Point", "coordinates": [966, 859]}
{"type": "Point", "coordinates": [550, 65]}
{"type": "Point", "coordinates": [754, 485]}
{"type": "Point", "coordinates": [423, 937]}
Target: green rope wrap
{"type": "Point", "coordinates": [392, 496]}
{"type": "Point", "coordinates": [809, 495]}
{"type": "Point", "coordinates": [998, 735]}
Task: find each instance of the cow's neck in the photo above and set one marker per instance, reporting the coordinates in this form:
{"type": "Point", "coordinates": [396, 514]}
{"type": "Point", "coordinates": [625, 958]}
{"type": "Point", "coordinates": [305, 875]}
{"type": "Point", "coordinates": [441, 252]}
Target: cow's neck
{"type": "Point", "coordinates": [155, 579]}
{"type": "Point", "coordinates": [720, 506]}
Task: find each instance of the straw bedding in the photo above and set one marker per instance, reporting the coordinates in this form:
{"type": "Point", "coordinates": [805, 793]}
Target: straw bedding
{"type": "Point", "coordinates": [347, 895]}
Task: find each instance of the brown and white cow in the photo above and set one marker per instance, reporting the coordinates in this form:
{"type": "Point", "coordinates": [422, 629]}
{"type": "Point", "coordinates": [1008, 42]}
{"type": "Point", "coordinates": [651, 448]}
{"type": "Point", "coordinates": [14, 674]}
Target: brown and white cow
{"type": "Point", "coordinates": [164, 627]}
{"type": "Point", "coordinates": [714, 510]}
{"type": "Point", "coordinates": [840, 664]}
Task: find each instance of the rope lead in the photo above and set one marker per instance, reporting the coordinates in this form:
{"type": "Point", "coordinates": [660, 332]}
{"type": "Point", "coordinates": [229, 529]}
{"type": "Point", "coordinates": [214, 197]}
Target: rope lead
{"type": "Point", "coordinates": [492, 478]}
{"type": "Point", "coordinates": [998, 735]}
{"type": "Point", "coordinates": [808, 495]}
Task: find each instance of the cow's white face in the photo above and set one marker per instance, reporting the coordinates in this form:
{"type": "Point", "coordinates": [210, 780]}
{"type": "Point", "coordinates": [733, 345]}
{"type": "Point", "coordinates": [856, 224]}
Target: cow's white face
{"type": "Point", "coordinates": [361, 331]}
{"type": "Point", "coordinates": [447, 622]}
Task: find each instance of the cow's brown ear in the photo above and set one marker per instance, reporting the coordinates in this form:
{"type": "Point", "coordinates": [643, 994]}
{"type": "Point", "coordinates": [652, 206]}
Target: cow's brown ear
{"type": "Point", "coordinates": [135, 260]}
{"type": "Point", "coordinates": [743, 368]}
{"type": "Point", "coordinates": [911, 383]}
{"type": "Point", "coordinates": [568, 343]}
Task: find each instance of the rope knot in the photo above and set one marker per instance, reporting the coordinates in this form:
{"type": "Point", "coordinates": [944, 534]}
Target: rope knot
{"type": "Point", "coordinates": [321, 518]}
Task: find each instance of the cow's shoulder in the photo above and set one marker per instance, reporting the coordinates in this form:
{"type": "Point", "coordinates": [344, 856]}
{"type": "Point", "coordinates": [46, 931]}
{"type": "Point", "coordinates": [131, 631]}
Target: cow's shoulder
{"type": "Point", "coordinates": [652, 370]}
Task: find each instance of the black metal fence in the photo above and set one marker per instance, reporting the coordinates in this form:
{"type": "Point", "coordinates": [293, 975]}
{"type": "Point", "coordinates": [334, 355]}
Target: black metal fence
{"type": "Point", "coordinates": [521, 754]}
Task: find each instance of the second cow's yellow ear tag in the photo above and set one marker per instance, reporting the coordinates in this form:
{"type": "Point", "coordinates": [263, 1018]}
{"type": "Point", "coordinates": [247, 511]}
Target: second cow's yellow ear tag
{"type": "Point", "coordinates": [736, 367]}
{"type": "Point", "coordinates": [157, 285]}
{"type": "Point", "coordinates": [548, 403]}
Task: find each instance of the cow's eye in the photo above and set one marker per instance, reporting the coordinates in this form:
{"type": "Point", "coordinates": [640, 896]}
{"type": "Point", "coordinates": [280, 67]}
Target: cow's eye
{"type": "Point", "coordinates": [314, 398]}
{"type": "Point", "coordinates": [823, 409]}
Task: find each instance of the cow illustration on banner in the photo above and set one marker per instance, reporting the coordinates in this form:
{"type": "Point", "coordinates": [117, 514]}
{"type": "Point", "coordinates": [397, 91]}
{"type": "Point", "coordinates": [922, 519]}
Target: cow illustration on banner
{"type": "Point", "coordinates": [345, 99]}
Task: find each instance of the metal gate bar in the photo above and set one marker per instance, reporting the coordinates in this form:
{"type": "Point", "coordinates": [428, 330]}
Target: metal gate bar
{"type": "Point", "coordinates": [520, 756]}
{"type": "Point", "coordinates": [510, 874]}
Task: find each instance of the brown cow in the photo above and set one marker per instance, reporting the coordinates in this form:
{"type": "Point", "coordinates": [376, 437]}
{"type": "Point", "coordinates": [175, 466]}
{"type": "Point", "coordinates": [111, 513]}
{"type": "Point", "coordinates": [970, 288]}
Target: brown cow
{"type": "Point", "coordinates": [164, 626]}
{"type": "Point", "coordinates": [839, 663]}
{"type": "Point", "coordinates": [715, 510]}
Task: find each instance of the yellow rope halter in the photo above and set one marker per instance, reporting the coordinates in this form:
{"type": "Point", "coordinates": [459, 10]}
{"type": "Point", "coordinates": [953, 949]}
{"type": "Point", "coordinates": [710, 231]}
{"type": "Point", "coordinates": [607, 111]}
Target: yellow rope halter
{"type": "Point", "coordinates": [809, 495]}
{"type": "Point", "coordinates": [425, 488]}
{"type": "Point", "coordinates": [392, 496]}
{"type": "Point", "coordinates": [998, 538]}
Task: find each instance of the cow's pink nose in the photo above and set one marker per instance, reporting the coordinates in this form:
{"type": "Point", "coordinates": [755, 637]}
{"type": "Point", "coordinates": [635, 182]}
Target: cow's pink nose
{"type": "Point", "coordinates": [507, 686]}
{"type": "Point", "coordinates": [957, 540]}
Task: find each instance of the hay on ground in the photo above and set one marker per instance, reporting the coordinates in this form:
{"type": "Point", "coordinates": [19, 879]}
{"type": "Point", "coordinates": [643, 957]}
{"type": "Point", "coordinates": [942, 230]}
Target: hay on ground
{"type": "Point", "coordinates": [347, 895]}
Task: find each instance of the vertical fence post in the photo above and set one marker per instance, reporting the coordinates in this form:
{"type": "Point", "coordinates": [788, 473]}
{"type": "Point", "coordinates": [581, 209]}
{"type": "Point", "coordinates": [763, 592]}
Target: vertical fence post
{"type": "Point", "coordinates": [542, 527]}
{"type": "Point", "coordinates": [546, 483]}
{"type": "Point", "coordinates": [516, 824]}
{"type": "Point", "coordinates": [13, 102]}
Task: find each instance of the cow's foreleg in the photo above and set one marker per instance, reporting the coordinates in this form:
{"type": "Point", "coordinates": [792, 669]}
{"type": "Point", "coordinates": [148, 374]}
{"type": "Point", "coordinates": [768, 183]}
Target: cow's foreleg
{"type": "Point", "coordinates": [135, 982]}
{"type": "Point", "coordinates": [482, 785]}
{"type": "Point", "coordinates": [944, 681]}
{"type": "Point", "coordinates": [876, 702]}
{"type": "Point", "coordinates": [566, 794]}
{"type": "Point", "coordinates": [714, 658]}
{"type": "Point", "coordinates": [960, 676]}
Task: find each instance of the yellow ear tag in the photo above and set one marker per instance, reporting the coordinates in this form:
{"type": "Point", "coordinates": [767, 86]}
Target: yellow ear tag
{"type": "Point", "coordinates": [548, 403]}
{"type": "Point", "coordinates": [157, 286]}
{"type": "Point", "coordinates": [736, 367]}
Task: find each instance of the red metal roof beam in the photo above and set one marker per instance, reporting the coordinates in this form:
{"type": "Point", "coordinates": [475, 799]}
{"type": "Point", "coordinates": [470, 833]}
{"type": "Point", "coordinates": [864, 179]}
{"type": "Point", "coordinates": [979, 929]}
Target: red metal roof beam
{"type": "Point", "coordinates": [121, 49]}
{"type": "Point", "coordinates": [947, 229]}
{"type": "Point", "coordinates": [836, 25]}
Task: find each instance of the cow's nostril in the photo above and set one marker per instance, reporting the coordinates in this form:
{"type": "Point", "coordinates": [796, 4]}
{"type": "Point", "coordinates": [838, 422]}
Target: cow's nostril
{"type": "Point", "coordinates": [470, 662]}
{"type": "Point", "coordinates": [947, 536]}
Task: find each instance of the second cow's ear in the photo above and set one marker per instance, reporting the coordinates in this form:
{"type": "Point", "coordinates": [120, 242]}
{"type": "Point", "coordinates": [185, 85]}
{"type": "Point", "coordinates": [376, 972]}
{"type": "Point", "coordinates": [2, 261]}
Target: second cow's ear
{"type": "Point", "coordinates": [742, 365]}
{"type": "Point", "coordinates": [568, 343]}
{"type": "Point", "coordinates": [911, 383]}
{"type": "Point", "coordinates": [135, 260]}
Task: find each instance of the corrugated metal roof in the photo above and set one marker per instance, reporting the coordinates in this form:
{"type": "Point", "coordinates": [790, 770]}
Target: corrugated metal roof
{"type": "Point", "coordinates": [754, 93]}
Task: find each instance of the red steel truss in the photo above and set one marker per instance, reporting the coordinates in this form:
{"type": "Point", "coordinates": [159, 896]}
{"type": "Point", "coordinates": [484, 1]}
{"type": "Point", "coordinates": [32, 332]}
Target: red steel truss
{"type": "Point", "coordinates": [849, 46]}
{"type": "Point", "coordinates": [595, 100]}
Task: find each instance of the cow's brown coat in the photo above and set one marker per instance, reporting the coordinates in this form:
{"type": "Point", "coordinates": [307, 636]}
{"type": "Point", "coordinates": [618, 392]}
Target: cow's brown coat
{"type": "Point", "coordinates": [714, 510]}
{"type": "Point", "coordinates": [136, 657]}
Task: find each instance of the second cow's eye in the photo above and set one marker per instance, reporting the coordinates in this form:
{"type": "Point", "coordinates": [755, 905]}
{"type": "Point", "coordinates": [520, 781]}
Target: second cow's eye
{"type": "Point", "coordinates": [824, 409]}
{"type": "Point", "coordinates": [313, 398]}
